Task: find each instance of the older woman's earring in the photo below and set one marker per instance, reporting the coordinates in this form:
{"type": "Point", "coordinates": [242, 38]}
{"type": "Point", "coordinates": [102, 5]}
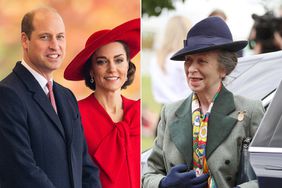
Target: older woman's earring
{"type": "Point", "coordinates": [91, 80]}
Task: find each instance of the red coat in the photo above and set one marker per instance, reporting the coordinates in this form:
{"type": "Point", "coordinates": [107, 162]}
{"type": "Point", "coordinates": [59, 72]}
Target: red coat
{"type": "Point", "coordinates": [115, 147]}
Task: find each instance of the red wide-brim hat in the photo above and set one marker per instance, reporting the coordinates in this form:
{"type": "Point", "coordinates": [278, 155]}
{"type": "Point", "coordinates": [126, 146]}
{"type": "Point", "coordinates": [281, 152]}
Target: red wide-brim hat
{"type": "Point", "coordinates": [128, 32]}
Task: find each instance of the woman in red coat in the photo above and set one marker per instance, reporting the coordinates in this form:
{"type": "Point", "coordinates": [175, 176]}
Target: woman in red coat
{"type": "Point", "coordinates": [111, 121]}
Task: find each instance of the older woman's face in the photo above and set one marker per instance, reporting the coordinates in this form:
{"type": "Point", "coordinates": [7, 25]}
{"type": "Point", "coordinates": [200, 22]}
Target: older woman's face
{"type": "Point", "coordinates": [109, 67]}
{"type": "Point", "coordinates": [202, 71]}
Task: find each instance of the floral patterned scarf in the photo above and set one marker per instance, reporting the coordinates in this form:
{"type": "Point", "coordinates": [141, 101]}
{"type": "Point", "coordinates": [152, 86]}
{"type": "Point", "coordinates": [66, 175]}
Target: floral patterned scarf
{"type": "Point", "coordinates": [200, 132]}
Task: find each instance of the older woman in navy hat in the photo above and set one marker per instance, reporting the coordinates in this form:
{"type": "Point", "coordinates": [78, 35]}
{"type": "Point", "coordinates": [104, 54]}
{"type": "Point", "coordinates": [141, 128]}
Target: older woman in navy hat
{"type": "Point", "coordinates": [111, 121]}
{"type": "Point", "coordinates": [199, 138]}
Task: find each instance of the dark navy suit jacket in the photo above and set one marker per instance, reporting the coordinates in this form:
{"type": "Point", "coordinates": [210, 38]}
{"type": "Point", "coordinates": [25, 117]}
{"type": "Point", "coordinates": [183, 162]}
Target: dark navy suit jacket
{"type": "Point", "coordinates": [39, 148]}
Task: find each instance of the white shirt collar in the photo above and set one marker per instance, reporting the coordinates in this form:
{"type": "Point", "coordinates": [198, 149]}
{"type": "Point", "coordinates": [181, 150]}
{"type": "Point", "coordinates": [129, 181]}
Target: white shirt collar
{"type": "Point", "coordinates": [40, 79]}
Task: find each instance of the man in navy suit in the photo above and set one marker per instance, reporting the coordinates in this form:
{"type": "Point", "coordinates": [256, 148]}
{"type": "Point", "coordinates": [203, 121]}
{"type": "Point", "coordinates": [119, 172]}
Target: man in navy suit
{"type": "Point", "coordinates": [41, 146]}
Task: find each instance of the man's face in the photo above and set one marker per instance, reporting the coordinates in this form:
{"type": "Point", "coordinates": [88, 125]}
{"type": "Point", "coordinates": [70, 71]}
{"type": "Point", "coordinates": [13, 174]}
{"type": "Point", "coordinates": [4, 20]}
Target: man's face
{"type": "Point", "coordinates": [45, 49]}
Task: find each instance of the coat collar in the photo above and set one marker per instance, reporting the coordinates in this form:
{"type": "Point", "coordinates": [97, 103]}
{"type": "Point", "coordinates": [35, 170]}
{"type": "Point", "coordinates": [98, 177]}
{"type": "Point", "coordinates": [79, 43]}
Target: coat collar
{"type": "Point", "coordinates": [181, 129]}
{"type": "Point", "coordinates": [219, 126]}
{"type": "Point", "coordinates": [38, 95]}
{"type": "Point", "coordinates": [220, 123]}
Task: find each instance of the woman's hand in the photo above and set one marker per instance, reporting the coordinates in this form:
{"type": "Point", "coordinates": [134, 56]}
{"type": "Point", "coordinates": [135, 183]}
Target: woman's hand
{"type": "Point", "coordinates": [179, 177]}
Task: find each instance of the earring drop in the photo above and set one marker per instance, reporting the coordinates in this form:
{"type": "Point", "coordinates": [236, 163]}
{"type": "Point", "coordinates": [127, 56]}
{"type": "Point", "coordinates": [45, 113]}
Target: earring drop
{"type": "Point", "coordinates": [91, 80]}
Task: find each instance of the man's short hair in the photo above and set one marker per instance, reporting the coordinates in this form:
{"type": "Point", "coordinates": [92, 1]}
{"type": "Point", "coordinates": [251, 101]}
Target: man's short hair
{"type": "Point", "coordinates": [27, 21]}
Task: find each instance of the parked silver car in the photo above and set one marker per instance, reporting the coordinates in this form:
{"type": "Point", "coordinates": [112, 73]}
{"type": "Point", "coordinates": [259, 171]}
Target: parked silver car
{"type": "Point", "coordinates": [257, 76]}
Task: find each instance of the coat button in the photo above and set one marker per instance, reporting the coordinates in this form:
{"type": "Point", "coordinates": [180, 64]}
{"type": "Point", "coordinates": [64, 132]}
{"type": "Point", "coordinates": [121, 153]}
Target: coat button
{"type": "Point", "coordinates": [227, 162]}
{"type": "Point", "coordinates": [228, 178]}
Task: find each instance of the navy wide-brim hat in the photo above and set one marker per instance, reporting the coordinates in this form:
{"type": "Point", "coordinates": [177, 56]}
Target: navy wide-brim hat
{"type": "Point", "coordinates": [211, 33]}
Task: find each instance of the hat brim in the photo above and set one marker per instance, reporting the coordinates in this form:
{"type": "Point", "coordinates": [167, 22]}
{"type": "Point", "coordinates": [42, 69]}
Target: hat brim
{"type": "Point", "coordinates": [128, 33]}
{"type": "Point", "coordinates": [232, 47]}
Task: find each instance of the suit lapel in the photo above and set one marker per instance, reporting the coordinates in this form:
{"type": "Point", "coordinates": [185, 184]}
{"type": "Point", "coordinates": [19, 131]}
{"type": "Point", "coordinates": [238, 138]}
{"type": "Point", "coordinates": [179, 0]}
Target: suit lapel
{"type": "Point", "coordinates": [181, 130]}
{"type": "Point", "coordinates": [38, 95]}
{"type": "Point", "coordinates": [219, 127]}
{"type": "Point", "coordinates": [64, 111]}
{"type": "Point", "coordinates": [220, 124]}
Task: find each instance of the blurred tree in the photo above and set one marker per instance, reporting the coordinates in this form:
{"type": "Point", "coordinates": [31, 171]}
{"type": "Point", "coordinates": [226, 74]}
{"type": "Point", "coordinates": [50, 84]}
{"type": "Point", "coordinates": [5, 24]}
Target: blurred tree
{"type": "Point", "coordinates": [155, 7]}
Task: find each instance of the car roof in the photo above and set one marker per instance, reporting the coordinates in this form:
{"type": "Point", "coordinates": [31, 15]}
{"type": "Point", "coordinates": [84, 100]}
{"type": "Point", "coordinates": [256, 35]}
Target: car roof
{"type": "Point", "coordinates": [256, 76]}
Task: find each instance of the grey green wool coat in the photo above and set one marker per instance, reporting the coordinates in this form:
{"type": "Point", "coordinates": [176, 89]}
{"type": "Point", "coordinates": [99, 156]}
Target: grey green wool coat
{"type": "Point", "coordinates": [226, 130]}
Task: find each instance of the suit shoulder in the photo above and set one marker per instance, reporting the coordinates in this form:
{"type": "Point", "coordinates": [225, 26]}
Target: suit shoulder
{"type": "Point", "coordinates": [243, 101]}
{"type": "Point", "coordinates": [248, 104]}
{"type": "Point", "coordinates": [172, 107]}
{"type": "Point", "coordinates": [67, 91]}
{"type": "Point", "coordinates": [8, 89]}
{"type": "Point", "coordinates": [11, 81]}
{"type": "Point", "coordinates": [12, 85]}
{"type": "Point", "coordinates": [10, 99]}
{"type": "Point", "coordinates": [61, 87]}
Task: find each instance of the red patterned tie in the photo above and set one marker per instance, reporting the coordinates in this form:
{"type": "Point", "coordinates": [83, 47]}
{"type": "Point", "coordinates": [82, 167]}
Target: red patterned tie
{"type": "Point", "coordinates": [51, 95]}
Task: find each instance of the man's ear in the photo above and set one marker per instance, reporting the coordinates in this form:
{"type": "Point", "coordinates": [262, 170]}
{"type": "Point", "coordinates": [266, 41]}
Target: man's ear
{"type": "Point", "coordinates": [24, 40]}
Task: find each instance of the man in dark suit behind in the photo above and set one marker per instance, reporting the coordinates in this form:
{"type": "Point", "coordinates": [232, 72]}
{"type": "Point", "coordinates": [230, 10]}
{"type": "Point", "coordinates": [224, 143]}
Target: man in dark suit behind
{"type": "Point", "coordinates": [41, 146]}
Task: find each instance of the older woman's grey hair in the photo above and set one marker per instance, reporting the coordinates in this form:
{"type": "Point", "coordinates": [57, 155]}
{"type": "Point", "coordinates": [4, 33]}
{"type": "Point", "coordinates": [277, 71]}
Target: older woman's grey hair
{"type": "Point", "coordinates": [227, 60]}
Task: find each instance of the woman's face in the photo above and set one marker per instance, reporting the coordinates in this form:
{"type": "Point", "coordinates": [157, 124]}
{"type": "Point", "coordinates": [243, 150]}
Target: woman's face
{"type": "Point", "coordinates": [109, 67]}
{"type": "Point", "coordinates": [203, 72]}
